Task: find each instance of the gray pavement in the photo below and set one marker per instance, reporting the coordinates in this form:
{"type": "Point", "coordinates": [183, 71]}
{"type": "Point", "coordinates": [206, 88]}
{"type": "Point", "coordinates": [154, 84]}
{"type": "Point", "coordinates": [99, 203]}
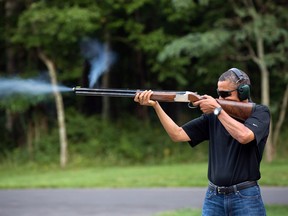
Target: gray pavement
{"type": "Point", "coordinates": [111, 202]}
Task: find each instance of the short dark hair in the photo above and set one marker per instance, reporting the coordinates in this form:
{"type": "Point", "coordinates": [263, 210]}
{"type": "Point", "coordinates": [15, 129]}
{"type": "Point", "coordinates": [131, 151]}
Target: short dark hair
{"type": "Point", "coordinates": [231, 75]}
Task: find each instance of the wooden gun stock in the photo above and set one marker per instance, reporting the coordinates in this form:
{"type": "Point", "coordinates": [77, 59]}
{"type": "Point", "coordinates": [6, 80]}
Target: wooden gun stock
{"type": "Point", "coordinates": [235, 109]}
{"type": "Point", "coordinates": [239, 110]}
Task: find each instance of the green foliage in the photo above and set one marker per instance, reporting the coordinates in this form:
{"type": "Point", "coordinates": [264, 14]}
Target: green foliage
{"type": "Point", "coordinates": [195, 44]}
{"type": "Point", "coordinates": [21, 103]}
{"type": "Point", "coordinates": [258, 26]}
{"type": "Point", "coordinates": [122, 142]}
{"type": "Point", "coordinates": [152, 44]}
{"type": "Point", "coordinates": [41, 26]}
{"type": "Point", "coordinates": [175, 44]}
{"type": "Point", "coordinates": [135, 5]}
{"type": "Point", "coordinates": [178, 53]}
{"type": "Point", "coordinates": [126, 141]}
{"type": "Point", "coordinates": [181, 10]}
{"type": "Point", "coordinates": [266, 24]}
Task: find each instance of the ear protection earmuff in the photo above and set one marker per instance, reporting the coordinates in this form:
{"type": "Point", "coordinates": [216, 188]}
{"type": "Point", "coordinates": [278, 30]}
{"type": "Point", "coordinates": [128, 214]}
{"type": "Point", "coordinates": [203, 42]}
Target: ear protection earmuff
{"type": "Point", "coordinates": [243, 89]}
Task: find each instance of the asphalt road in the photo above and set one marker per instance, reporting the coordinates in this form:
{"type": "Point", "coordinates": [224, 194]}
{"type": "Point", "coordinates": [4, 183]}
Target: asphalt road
{"type": "Point", "coordinates": [111, 202]}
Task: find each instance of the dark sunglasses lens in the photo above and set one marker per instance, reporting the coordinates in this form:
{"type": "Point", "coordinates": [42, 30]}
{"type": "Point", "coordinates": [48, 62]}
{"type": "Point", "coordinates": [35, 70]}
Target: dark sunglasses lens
{"type": "Point", "coordinates": [224, 94]}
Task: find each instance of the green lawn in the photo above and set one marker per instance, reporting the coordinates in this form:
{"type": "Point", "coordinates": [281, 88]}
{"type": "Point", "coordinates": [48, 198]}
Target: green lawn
{"type": "Point", "coordinates": [134, 176]}
{"type": "Point", "coordinates": [176, 175]}
{"type": "Point", "coordinates": [179, 175]}
{"type": "Point", "coordinates": [271, 211]}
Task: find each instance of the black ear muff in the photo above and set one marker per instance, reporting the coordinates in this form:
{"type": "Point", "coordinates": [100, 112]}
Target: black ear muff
{"type": "Point", "coordinates": [243, 92]}
{"type": "Point", "coordinates": [243, 89]}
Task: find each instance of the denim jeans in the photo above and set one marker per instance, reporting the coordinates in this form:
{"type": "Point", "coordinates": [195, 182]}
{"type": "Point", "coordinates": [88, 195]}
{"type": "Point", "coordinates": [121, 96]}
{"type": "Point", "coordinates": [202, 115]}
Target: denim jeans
{"type": "Point", "coordinates": [246, 202]}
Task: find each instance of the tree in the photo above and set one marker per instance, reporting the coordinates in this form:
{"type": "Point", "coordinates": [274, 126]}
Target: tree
{"type": "Point", "coordinates": [164, 44]}
{"type": "Point", "coordinates": [252, 33]}
{"type": "Point", "coordinates": [259, 30]}
{"type": "Point", "coordinates": [47, 28]}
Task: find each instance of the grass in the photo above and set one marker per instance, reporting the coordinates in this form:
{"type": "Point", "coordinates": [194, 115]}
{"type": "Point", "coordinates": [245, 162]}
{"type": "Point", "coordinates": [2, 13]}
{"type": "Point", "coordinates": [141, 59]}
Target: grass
{"type": "Point", "coordinates": [182, 212]}
{"type": "Point", "coordinates": [273, 210]}
{"type": "Point", "coordinates": [134, 176]}
{"type": "Point", "coordinates": [175, 175]}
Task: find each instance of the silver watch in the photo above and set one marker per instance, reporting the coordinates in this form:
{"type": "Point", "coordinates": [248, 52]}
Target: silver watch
{"type": "Point", "coordinates": [217, 111]}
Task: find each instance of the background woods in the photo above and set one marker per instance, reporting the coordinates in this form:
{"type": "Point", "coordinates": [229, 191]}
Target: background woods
{"type": "Point", "coordinates": [169, 45]}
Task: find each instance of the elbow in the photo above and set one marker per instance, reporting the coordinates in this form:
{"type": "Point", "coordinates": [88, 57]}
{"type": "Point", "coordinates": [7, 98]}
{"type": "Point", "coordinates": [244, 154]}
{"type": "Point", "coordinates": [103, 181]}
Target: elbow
{"type": "Point", "coordinates": [245, 137]}
{"type": "Point", "coordinates": [175, 139]}
{"type": "Point", "coordinates": [242, 141]}
{"type": "Point", "coordinates": [179, 135]}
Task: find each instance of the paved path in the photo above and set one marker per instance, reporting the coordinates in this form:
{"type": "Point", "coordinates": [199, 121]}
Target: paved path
{"type": "Point", "coordinates": [111, 202]}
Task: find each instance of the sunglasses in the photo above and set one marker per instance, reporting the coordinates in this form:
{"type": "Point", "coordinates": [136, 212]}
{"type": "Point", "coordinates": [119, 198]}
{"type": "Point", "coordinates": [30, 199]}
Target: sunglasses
{"type": "Point", "coordinates": [225, 94]}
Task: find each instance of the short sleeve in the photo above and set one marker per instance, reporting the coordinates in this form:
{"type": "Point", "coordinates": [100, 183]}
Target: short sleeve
{"type": "Point", "coordinates": [197, 130]}
{"type": "Point", "coordinates": [259, 123]}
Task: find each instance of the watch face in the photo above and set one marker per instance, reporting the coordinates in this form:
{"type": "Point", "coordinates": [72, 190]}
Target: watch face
{"type": "Point", "coordinates": [217, 111]}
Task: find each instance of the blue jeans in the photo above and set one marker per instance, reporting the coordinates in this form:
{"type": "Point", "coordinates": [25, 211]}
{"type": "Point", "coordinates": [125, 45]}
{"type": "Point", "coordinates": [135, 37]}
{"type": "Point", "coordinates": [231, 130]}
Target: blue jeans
{"type": "Point", "coordinates": [246, 202]}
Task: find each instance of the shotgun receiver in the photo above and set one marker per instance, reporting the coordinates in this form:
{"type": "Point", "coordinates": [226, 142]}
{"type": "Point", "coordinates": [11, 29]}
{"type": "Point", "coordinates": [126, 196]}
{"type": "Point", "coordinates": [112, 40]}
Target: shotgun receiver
{"type": "Point", "coordinates": [239, 110]}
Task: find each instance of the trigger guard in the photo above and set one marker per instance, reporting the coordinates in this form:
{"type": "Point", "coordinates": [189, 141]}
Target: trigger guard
{"type": "Point", "coordinates": [191, 106]}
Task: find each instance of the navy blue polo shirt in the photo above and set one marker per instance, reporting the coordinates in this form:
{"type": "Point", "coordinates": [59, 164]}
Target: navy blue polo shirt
{"type": "Point", "coordinates": [229, 161]}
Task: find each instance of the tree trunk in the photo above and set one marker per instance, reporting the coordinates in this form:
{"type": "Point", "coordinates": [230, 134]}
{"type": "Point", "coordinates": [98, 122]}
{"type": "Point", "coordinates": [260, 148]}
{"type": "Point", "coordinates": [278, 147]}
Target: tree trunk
{"type": "Point", "coordinates": [265, 98]}
{"type": "Point", "coordinates": [283, 110]}
{"type": "Point", "coordinates": [259, 58]}
{"type": "Point", "coordinates": [105, 100]}
{"type": "Point", "coordinates": [59, 107]}
{"type": "Point", "coordinates": [105, 84]}
{"type": "Point", "coordinates": [266, 101]}
{"type": "Point", "coordinates": [10, 9]}
{"type": "Point", "coordinates": [30, 139]}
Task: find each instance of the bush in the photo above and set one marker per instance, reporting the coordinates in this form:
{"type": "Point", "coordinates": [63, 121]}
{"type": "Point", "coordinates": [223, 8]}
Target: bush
{"type": "Point", "coordinates": [126, 141]}
{"type": "Point", "coordinates": [97, 142]}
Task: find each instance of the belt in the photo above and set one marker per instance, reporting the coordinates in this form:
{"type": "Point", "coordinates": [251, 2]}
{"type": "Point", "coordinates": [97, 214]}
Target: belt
{"type": "Point", "coordinates": [233, 188]}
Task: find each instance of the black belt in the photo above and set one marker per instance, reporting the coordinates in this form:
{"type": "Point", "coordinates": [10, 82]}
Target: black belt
{"type": "Point", "coordinates": [233, 188]}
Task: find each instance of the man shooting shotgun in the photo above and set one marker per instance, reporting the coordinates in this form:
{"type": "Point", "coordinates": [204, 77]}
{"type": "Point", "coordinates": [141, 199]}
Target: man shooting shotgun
{"type": "Point", "coordinates": [235, 147]}
{"type": "Point", "coordinates": [236, 129]}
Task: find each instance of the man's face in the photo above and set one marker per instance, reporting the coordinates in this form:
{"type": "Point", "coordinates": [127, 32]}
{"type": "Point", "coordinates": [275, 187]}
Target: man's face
{"type": "Point", "coordinates": [227, 90]}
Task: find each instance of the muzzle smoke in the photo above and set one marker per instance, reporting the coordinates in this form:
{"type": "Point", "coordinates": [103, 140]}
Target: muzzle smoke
{"type": "Point", "coordinates": [11, 86]}
{"type": "Point", "coordinates": [98, 55]}
{"type": "Point", "coordinates": [100, 58]}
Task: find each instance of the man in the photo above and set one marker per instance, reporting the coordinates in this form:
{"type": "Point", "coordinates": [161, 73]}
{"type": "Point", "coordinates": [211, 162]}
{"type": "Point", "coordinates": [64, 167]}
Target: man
{"type": "Point", "coordinates": [235, 147]}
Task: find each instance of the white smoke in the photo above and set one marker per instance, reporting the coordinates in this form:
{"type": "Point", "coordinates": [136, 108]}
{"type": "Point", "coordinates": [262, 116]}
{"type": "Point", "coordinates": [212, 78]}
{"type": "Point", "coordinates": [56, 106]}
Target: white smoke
{"type": "Point", "coordinates": [16, 85]}
{"type": "Point", "coordinates": [99, 56]}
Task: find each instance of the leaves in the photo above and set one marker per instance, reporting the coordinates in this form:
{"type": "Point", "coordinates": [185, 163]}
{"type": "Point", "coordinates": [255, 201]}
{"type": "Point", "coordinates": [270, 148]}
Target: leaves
{"type": "Point", "coordinates": [161, 44]}
{"type": "Point", "coordinates": [195, 44]}
{"type": "Point", "coordinates": [41, 26]}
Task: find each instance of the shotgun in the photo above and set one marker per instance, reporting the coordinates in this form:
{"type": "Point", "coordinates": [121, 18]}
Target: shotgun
{"type": "Point", "coordinates": [239, 110]}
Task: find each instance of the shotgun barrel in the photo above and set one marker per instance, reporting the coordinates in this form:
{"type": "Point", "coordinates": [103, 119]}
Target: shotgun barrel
{"type": "Point", "coordinates": [104, 92]}
{"type": "Point", "coordinates": [162, 96]}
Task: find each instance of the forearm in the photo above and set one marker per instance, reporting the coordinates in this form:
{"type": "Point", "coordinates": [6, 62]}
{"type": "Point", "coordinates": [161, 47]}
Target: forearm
{"type": "Point", "coordinates": [175, 132]}
{"type": "Point", "coordinates": [236, 129]}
